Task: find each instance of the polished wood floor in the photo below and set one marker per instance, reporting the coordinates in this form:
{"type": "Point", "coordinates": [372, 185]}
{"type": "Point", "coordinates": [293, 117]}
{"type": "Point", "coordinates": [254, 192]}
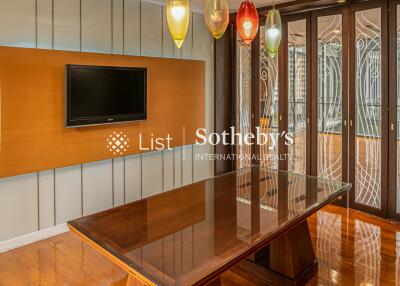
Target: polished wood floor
{"type": "Point", "coordinates": [352, 249]}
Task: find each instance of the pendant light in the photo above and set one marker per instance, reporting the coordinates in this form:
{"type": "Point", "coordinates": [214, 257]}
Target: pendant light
{"type": "Point", "coordinates": [273, 31]}
{"type": "Point", "coordinates": [247, 21]}
{"type": "Point", "coordinates": [216, 15]}
{"type": "Point", "coordinates": [178, 20]}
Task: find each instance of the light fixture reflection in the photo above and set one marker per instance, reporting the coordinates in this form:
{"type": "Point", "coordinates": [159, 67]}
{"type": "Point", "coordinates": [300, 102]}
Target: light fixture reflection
{"type": "Point", "coordinates": [178, 20]}
{"type": "Point", "coordinates": [273, 31]}
{"type": "Point", "coordinates": [216, 15]}
{"type": "Point", "coordinates": [247, 21]}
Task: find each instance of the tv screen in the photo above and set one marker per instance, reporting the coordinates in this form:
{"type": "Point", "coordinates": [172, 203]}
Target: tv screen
{"type": "Point", "coordinates": [100, 94]}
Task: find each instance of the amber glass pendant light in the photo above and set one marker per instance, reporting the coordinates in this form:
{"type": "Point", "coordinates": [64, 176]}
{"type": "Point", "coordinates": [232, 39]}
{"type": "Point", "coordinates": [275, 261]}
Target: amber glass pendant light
{"type": "Point", "coordinates": [216, 15]}
{"type": "Point", "coordinates": [247, 21]}
{"type": "Point", "coordinates": [273, 31]}
{"type": "Point", "coordinates": [178, 20]}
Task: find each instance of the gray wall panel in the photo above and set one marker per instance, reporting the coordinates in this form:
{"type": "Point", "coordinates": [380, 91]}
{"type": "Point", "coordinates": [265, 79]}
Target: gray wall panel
{"type": "Point", "coordinates": [188, 44]}
{"type": "Point", "coordinates": [119, 181]}
{"type": "Point", "coordinates": [117, 26]}
{"type": "Point", "coordinates": [68, 193]}
{"type": "Point", "coordinates": [177, 167]}
{"type": "Point", "coordinates": [46, 199]}
{"type": "Point", "coordinates": [133, 178]}
{"type": "Point", "coordinates": [187, 171]}
{"type": "Point", "coordinates": [168, 167]}
{"type": "Point", "coordinates": [96, 26]}
{"type": "Point", "coordinates": [151, 30]}
{"type": "Point", "coordinates": [44, 24]}
{"type": "Point", "coordinates": [168, 44]}
{"type": "Point", "coordinates": [18, 206]}
{"type": "Point", "coordinates": [67, 25]}
{"type": "Point", "coordinates": [152, 173]}
{"type": "Point", "coordinates": [132, 27]}
{"type": "Point", "coordinates": [18, 23]}
{"type": "Point", "coordinates": [97, 186]}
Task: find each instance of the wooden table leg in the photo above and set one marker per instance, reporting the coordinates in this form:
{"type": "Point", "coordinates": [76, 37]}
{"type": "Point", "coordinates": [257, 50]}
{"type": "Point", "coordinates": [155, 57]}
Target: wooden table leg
{"type": "Point", "coordinates": [290, 258]}
{"type": "Point", "coordinates": [215, 282]}
{"type": "Point", "coordinates": [292, 255]}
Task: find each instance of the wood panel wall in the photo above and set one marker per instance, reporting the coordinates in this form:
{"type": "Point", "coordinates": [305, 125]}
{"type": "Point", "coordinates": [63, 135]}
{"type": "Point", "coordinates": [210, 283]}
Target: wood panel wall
{"type": "Point", "coordinates": [33, 136]}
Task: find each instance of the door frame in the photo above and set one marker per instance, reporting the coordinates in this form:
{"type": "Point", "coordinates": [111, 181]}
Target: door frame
{"type": "Point", "coordinates": [382, 212]}
{"type": "Point", "coordinates": [339, 10]}
{"type": "Point", "coordinates": [283, 83]}
{"type": "Point", "coordinates": [392, 164]}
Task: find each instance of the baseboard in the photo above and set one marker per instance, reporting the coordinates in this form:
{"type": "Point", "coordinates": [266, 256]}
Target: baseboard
{"type": "Point", "coordinates": [32, 237]}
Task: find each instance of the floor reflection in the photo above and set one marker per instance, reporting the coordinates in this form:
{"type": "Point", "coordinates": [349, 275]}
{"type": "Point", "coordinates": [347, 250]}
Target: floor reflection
{"type": "Point", "coordinates": [328, 245]}
{"type": "Point", "coordinates": [367, 253]}
{"type": "Point", "coordinates": [354, 248]}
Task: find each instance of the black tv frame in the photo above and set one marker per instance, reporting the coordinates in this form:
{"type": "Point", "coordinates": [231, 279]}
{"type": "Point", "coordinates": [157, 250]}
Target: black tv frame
{"type": "Point", "coordinates": [100, 120]}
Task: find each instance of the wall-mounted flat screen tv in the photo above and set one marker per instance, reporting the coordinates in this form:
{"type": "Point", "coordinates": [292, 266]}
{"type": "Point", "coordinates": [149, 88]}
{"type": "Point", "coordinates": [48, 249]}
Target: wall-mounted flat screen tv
{"type": "Point", "coordinates": [104, 94]}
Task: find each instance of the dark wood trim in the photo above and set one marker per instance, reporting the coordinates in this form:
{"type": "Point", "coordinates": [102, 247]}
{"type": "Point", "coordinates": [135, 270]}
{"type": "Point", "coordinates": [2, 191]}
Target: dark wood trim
{"type": "Point", "coordinates": [351, 103]}
{"type": "Point", "coordinates": [283, 96]}
{"type": "Point", "coordinates": [255, 95]}
{"type": "Point", "coordinates": [234, 86]}
{"type": "Point", "coordinates": [392, 164]}
{"type": "Point", "coordinates": [299, 6]}
{"type": "Point", "coordinates": [309, 91]}
{"type": "Point", "coordinates": [385, 109]}
{"type": "Point", "coordinates": [345, 100]}
{"type": "Point", "coordinates": [314, 97]}
{"type": "Point", "coordinates": [224, 97]}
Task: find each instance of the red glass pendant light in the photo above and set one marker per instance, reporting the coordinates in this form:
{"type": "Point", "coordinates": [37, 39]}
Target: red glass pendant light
{"type": "Point", "coordinates": [247, 21]}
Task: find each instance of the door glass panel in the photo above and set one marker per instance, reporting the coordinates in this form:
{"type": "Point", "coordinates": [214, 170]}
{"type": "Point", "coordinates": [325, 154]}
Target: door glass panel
{"type": "Point", "coordinates": [330, 97]}
{"type": "Point", "coordinates": [243, 101]}
{"type": "Point", "coordinates": [398, 110]}
{"type": "Point", "coordinates": [297, 88]}
{"type": "Point", "coordinates": [268, 103]}
{"type": "Point", "coordinates": [368, 108]}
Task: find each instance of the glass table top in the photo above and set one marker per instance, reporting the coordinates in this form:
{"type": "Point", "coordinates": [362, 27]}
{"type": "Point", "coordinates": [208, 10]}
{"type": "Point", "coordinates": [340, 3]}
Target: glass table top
{"type": "Point", "coordinates": [189, 234]}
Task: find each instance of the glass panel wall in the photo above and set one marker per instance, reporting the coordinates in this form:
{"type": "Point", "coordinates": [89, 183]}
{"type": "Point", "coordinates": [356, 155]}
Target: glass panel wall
{"type": "Point", "coordinates": [368, 108]}
{"type": "Point", "coordinates": [243, 101]}
{"type": "Point", "coordinates": [330, 97]}
{"type": "Point", "coordinates": [297, 95]}
{"type": "Point", "coordinates": [269, 103]}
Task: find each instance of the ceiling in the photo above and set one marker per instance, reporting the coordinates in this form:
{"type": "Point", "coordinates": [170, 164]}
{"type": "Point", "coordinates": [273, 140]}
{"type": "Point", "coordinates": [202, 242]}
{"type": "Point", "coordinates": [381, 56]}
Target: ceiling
{"type": "Point", "coordinates": [198, 5]}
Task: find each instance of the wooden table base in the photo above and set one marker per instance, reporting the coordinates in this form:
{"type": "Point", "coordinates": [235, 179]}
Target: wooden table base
{"type": "Point", "coordinates": [133, 281]}
{"type": "Point", "coordinates": [289, 259]}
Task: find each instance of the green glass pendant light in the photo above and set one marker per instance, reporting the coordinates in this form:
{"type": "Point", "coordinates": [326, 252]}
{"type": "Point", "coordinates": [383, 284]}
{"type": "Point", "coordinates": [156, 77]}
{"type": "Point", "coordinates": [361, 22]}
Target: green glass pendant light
{"type": "Point", "coordinates": [273, 31]}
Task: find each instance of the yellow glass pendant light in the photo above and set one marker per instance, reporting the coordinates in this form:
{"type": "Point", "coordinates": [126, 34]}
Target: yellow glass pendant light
{"type": "Point", "coordinates": [216, 15]}
{"type": "Point", "coordinates": [178, 20]}
{"type": "Point", "coordinates": [273, 31]}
